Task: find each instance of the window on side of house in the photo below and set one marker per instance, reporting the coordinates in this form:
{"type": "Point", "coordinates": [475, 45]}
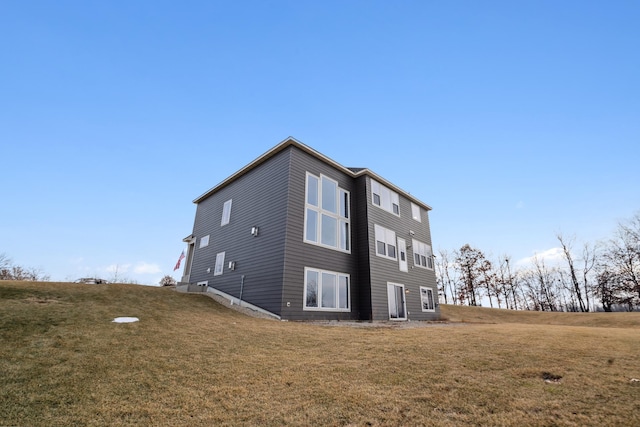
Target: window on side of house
{"type": "Point", "coordinates": [217, 271]}
{"type": "Point", "coordinates": [426, 297]}
{"type": "Point", "coordinates": [415, 212]}
{"type": "Point", "coordinates": [226, 212]}
{"type": "Point", "coordinates": [326, 290]}
{"type": "Point", "coordinates": [385, 242]}
{"type": "Point", "coordinates": [204, 241]}
{"type": "Point", "coordinates": [384, 198]}
{"type": "Point", "coordinates": [327, 213]}
{"type": "Point", "coordinates": [422, 255]}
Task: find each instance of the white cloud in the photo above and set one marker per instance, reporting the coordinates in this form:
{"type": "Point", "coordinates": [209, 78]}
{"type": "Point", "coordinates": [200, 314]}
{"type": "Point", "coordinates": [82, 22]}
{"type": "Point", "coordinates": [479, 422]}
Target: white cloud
{"type": "Point", "coordinates": [146, 268]}
{"type": "Point", "coordinates": [550, 257]}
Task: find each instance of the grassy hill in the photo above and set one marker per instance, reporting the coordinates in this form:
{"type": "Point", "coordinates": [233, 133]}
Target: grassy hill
{"type": "Point", "coordinates": [190, 361]}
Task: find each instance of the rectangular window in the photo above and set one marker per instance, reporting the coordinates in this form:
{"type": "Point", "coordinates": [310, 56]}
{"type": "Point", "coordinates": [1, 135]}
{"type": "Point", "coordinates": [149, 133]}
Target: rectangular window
{"type": "Point", "coordinates": [226, 213]}
{"type": "Point", "coordinates": [385, 242]}
{"type": "Point", "coordinates": [204, 241]}
{"type": "Point", "coordinates": [326, 290]}
{"type": "Point", "coordinates": [385, 198]}
{"type": "Point", "coordinates": [415, 212]}
{"type": "Point", "coordinates": [422, 255]}
{"type": "Point", "coordinates": [426, 297]}
{"type": "Point", "coordinates": [219, 264]}
{"type": "Point", "coordinates": [327, 214]}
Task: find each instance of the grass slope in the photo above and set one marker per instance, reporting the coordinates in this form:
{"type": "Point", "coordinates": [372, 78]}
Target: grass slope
{"type": "Point", "coordinates": [190, 361]}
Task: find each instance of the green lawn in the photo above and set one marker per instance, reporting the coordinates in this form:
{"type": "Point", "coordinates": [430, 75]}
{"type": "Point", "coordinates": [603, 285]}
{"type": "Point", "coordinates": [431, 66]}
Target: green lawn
{"type": "Point", "coordinates": [192, 362]}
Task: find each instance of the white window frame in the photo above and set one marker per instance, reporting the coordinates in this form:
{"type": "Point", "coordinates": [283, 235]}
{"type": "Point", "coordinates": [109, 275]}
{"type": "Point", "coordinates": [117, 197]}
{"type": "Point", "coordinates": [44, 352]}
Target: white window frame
{"type": "Point", "coordinates": [388, 238]}
{"type": "Point", "coordinates": [204, 241]}
{"type": "Point", "coordinates": [386, 199]}
{"type": "Point", "coordinates": [325, 216]}
{"type": "Point", "coordinates": [427, 293]}
{"type": "Point", "coordinates": [391, 286]}
{"type": "Point", "coordinates": [415, 212]}
{"type": "Point", "coordinates": [219, 268]}
{"type": "Point", "coordinates": [424, 254]}
{"type": "Point", "coordinates": [319, 284]}
{"type": "Point", "coordinates": [226, 212]}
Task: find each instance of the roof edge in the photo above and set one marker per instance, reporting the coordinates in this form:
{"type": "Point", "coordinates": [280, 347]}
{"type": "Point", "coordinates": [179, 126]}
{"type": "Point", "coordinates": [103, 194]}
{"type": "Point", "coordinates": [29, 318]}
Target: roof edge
{"type": "Point", "coordinates": [291, 141]}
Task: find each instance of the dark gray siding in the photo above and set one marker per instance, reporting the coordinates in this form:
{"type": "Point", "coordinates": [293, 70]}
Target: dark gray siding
{"type": "Point", "coordinates": [384, 270]}
{"type": "Point", "coordinates": [259, 199]}
{"type": "Point", "coordinates": [362, 241]}
{"type": "Point", "coordinates": [300, 255]}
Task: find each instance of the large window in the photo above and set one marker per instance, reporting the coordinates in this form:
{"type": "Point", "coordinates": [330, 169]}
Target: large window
{"type": "Point", "coordinates": [385, 242]}
{"type": "Point", "coordinates": [327, 214]}
{"type": "Point", "coordinates": [426, 297]}
{"type": "Point", "coordinates": [385, 198]}
{"type": "Point", "coordinates": [422, 255]}
{"type": "Point", "coordinates": [326, 290]}
{"type": "Point", "coordinates": [219, 264]}
{"type": "Point", "coordinates": [226, 213]}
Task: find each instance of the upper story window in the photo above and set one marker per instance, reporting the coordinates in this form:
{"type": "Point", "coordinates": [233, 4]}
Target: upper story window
{"type": "Point", "coordinates": [422, 255]}
{"type": "Point", "coordinates": [385, 242]}
{"type": "Point", "coordinates": [226, 212]}
{"type": "Point", "coordinates": [204, 241]}
{"type": "Point", "coordinates": [415, 212]}
{"type": "Point", "coordinates": [327, 214]}
{"type": "Point", "coordinates": [385, 198]}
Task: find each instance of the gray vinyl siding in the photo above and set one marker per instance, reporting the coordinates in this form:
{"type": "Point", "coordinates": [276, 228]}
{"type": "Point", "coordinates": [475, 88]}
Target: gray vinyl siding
{"type": "Point", "coordinates": [385, 271]}
{"type": "Point", "coordinates": [270, 195]}
{"type": "Point", "coordinates": [259, 199]}
{"type": "Point", "coordinates": [300, 254]}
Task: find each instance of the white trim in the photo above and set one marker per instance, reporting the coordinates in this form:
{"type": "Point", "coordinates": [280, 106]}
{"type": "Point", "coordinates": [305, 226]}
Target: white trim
{"type": "Point", "coordinates": [402, 249]}
{"type": "Point", "coordinates": [341, 221]}
{"type": "Point", "coordinates": [404, 300]}
{"type": "Point", "coordinates": [239, 302]}
{"type": "Point", "coordinates": [388, 237]}
{"type": "Point", "coordinates": [204, 241]}
{"type": "Point", "coordinates": [226, 212]}
{"type": "Point", "coordinates": [433, 302]}
{"type": "Point", "coordinates": [415, 212]}
{"type": "Point", "coordinates": [338, 276]}
{"type": "Point", "coordinates": [219, 267]}
{"type": "Point", "coordinates": [422, 250]}
{"type": "Point", "coordinates": [389, 199]}
{"type": "Point", "coordinates": [295, 143]}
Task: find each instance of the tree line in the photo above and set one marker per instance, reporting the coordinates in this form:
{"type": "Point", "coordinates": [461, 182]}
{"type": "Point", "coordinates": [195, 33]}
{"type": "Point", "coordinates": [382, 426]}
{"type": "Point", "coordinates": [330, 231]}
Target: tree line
{"type": "Point", "coordinates": [596, 276]}
{"type": "Point", "coordinates": [11, 271]}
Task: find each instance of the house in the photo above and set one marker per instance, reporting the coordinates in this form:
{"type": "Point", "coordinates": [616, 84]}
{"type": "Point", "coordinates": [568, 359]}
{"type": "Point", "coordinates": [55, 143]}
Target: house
{"type": "Point", "coordinates": [301, 237]}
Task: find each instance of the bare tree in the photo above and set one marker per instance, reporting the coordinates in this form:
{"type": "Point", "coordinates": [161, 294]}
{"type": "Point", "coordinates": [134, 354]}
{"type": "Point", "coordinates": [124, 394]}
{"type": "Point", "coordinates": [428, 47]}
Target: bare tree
{"type": "Point", "coordinates": [10, 271]}
{"type": "Point", "coordinates": [618, 268]}
{"type": "Point", "coordinates": [541, 286]}
{"type": "Point", "coordinates": [444, 273]}
{"type": "Point", "coordinates": [468, 263]}
{"type": "Point", "coordinates": [576, 290]}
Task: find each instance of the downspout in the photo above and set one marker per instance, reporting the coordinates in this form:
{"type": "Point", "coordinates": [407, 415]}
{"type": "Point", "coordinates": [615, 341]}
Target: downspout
{"type": "Point", "coordinates": [241, 288]}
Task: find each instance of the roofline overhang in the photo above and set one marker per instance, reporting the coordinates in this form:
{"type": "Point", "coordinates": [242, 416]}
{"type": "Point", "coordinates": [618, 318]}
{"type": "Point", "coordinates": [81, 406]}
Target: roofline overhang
{"type": "Point", "coordinates": [289, 142]}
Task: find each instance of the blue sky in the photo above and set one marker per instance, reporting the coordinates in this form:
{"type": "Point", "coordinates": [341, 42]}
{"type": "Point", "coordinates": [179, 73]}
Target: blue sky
{"type": "Point", "coordinates": [514, 120]}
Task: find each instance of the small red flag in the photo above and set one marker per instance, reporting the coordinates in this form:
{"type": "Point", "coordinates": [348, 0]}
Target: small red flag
{"type": "Point", "coordinates": [179, 261]}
